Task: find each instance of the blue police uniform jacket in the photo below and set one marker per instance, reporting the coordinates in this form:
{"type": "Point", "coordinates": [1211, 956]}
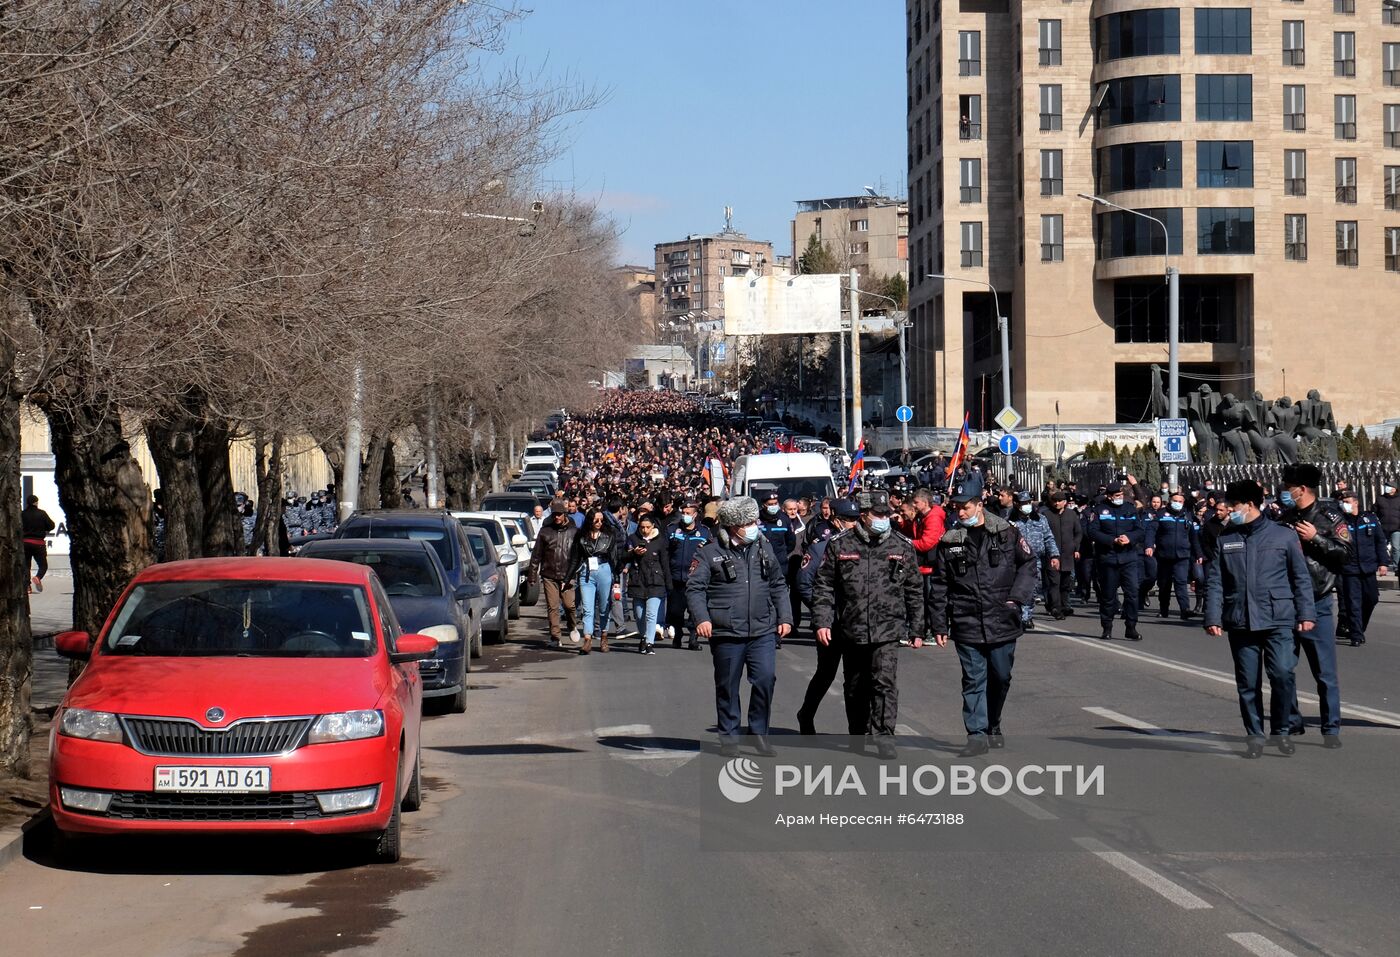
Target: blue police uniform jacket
{"type": "Point", "coordinates": [1174, 535]}
{"type": "Point", "coordinates": [779, 533]}
{"type": "Point", "coordinates": [684, 541]}
{"type": "Point", "coordinates": [1258, 579]}
{"type": "Point", "coordinates": [811, 561]}
{"type": "Point", "coordinates": [1369, 545]}
{"type": "Point", "coordinates": [1108, 521]}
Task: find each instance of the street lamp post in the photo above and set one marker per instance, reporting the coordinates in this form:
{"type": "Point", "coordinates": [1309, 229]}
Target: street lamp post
{"type": "Point", "coordinates": [1005, 343]}
{"type": "Point", "coordinates": [1173, 318]}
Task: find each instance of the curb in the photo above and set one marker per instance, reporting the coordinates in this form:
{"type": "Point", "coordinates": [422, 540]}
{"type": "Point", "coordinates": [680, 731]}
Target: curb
{"type": "Point", "coordinates": [12, 838]}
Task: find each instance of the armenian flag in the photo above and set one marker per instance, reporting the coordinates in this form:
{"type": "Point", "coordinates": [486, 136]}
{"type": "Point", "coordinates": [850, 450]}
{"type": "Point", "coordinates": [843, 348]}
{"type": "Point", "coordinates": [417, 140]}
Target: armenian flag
{"type": "Point", "coordinates": [960, 453]}
{"type": "Point", "coordinates": [857, 465]}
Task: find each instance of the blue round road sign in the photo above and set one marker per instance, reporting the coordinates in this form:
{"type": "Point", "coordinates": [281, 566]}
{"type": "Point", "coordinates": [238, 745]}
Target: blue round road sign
{"type": "Point", "coordinates": [1009, 444]}
{"type": "Point", "coordinates": [905, 413]}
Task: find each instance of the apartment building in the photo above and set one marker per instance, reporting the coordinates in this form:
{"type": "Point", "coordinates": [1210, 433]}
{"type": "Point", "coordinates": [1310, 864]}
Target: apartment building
{"type": "Point", "coordinates": [868, 233]}
{"type": "Point", "coordinates": [690, 273]}
{"type": "Point", "coordinates": [1263, 139]}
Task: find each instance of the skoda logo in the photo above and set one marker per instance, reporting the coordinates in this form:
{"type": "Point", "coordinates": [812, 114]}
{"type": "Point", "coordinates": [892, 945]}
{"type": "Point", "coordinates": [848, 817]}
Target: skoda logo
{"type": "Point", "coordinates": [215, 714]}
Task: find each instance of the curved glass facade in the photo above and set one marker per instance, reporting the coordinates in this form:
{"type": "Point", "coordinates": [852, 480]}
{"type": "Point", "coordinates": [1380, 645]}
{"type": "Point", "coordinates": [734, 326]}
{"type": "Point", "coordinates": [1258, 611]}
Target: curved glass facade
{"type": "Point", "coordinates": [1141, 99]}
{"type": "Point", "coordinates": [1137, 33]}
{"type": "Point", "coordinates": [1123, 234]}
{"type": "Point", "coordinates": [1139, 166]}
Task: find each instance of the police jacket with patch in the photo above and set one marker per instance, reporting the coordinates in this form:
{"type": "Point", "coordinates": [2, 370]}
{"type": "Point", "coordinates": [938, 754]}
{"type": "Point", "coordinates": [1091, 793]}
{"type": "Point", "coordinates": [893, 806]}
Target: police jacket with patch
{"type": "Point", "coordinates": [741, 590]}
{"type": "Point", "coordinates": [981, 578]}
{"type": "Point", "coordinates": [1106, 523]}
{"type": "Point", "coordinates": [869, 587]}
{"type": "Point", "coordinates": [1258, 579]}
{"type": "Point", "coordinates": [811, 563]}
{"type": "Point", "coordinates": [779, 532]}
{"type": "Point", "coordinates": [1330, 548]}
{"type": "Point", "coordinates": [683, 542]}
{"type": "Point", "coordinates": [1174, 535]}
{"type": "Point", "coordinates": [1369, 552]}
{"type": "Point", "coordinates": [553, 548]}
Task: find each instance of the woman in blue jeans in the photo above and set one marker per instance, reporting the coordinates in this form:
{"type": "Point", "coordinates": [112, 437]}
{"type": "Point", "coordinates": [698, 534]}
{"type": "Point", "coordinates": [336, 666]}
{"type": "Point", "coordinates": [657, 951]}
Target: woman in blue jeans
{"type": "Point", "coordinates": [592, 563]}
{"type": "Point", "coordinates": [649, 579]}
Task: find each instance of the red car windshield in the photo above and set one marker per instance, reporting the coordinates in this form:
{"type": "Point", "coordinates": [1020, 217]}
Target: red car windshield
{"type": "Point", "coordinates": [243, 619]}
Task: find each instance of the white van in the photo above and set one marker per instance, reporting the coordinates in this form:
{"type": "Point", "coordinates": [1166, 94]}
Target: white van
{"type": "Point", "coordinates": [794, 473]}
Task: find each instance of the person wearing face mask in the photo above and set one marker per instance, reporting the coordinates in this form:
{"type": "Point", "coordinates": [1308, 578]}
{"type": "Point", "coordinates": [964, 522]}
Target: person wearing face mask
{"type": "Point", "coordinates": [645, 556]}
{"type": "Point", "coordinates": [774, 525]}
{"type": "Point", "coordinates": [1175, 541]}
{"type": "Point", "coordinates": [844, 514]}
{"type": "Point", "coordinates": [1035, 532]}
{"type": "Point", "coordinates": [870, 593]}
{"type": "Point", "coordinates": [1259, 591]}
{"type": "Point", "coordinates": [549, 565]}
{"type": "Point", "coordinates": [1388, 511]}
{"type": "Point", "coordinates": [1148, 514]}
{"type": "Point", "coordinates": [983, 573]}
{"type": "Point", "coordinates": [738, 594]}
{"type": "Point", "coordinates": [1115, 528]}
{"type": "Point", "coordinates": [1360, 592]}
{"type": "Point", "coordinates": [1068, 533]}
{"type": "Point", "coordinates": [687, 537]}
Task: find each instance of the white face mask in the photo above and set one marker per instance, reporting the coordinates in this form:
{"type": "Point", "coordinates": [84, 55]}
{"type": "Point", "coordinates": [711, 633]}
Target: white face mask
{"type": "Point", "coordinates": [1388, 489]}
{"type": "Point", "coordinates": [1117, 501]}
{"type": "Point", "coordinates": [1349, 508]}
{"type": "Point", "coordinates": [1025, 509]}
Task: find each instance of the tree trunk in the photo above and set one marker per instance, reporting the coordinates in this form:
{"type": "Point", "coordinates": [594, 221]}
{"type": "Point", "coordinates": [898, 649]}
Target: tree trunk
{"type": "Point", "coordinates": [106, 502]}
{"type": "Point", "coordinates": [223, 528]}
{"type": "Point", "coordinates": [374, 465]}
{"type": "Point", "coordinates": [390, 495]}
{"type": "Point", "coordinates": [456, 480]}
{"type": "Point", "coordinates": [16, 648]}
{"type": "Point", "coordinates": [267, 533]}
{"type": "Point", "coordinates": [173, 450]}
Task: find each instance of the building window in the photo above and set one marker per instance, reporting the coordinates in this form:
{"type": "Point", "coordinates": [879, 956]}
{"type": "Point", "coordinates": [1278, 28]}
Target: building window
{"type": "Point", "coordinates": [1122, 234]}
{"type": "Point", "coordinates": [1224, 96]}
{"type": "Point", "coordinates": [1225, 163]}
{"type": "Point", "coordinates": [1392, 249]}
{"type": "Point", "coordinates": [1222, 30]}
{"type": "Point", "coordinates": [969, 53]}
{"type": "Point", "coordinates": [1295, 115]}
{"type": "Point", "coordinates": [1389, 14]}
{"type": "Point", "coordinates": [1052, 239]}
{"type": "Point", "coordinates": [1207, 314]}
{"type": "Point", "coordinates": [1392, 123]}
{"type": "Point", "coordinates": [1347, 253]}
{"type": "Point", "coordinates": [1344, 54]}
{"type": "Point", "coordinates": [740, 257]}
{"type": "Point", "coordinates": [1141, 99]}
{"type": "Point", "coordinates": [1390, 64]}
{"type": "Point", "coordinates": [1346, 179]}
{"type": "Point", "coordinates": [1137, 33]}
{"type": "Point", "coordinates": [1052, 172]}
{"type": "Point", "coordinates": [970, 117]}
{"type": "Point", "coordinates": [1293, 43]}
{"type": "Point", "coordinates": [1050, 106]}
{"type": "Point", "coordinates": [971, 245]}
{"type": "Point", "coordinates": [1347, 7]}
{"type": "Point", "coordinates": [858, 249]}
{"type": "Point", "coordinates": [969, 181]}
{"type": "Point", "coordinates": [1049, 42]}
{"type": "Point", "coordinates": [1295, 172]}
{"type": "Point", "coordinates": [860, 225]}
{"type": "Point", "coordinates": [1295, 237]}
{"type": "Point", "coordinates": [1139, 166]}
{"type": "Point", "coordinates": [1392, 187]}
{"type": "Point", "coordinates": [1344, 115]}
{"type": "Point", "coordinates": [1227, 230]}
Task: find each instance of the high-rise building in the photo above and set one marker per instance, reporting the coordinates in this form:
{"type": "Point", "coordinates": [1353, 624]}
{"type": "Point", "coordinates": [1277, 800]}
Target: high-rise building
{"type": "Point", "coordinates": [1264, 137]}
{"type": "Point", "coordinates": [868, 233]}
{"type": "Point", "coordinates": [690, 273]}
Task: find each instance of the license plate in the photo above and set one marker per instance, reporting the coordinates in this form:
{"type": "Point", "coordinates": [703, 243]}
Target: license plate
{"type": "Point", "coordinates": [211, 780]}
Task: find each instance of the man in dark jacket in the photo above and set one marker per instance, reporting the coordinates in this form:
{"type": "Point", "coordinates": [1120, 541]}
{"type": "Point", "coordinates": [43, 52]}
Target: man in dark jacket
{"type": "Point", "coordinates": [983, 573]}
{"type": "Point", "coordinates": [1326, 538]}
{"type": "Point", "coordinates": [844, 513]}
{"type": "Point", "coordinates": [549, 564]}
{"type": "Point", "coordinates": [1258, 589]}
{"type": "Point", "coordinates": [1117, 533]}
{"type": "Point", "coordinates": [870, 592]}
{"type": "Point", "coordinates": [1388, 511]}
{"type": "Point", "coordinates": [1069, 536]}
{"type": "Point", "coordinates": [35, 526]}
{"type": "Point", "coordinates": [1360, 592]}
{"type": "Point", "coordinates": [1174, 541]}
{"type": "Point", "coordinates": [686, 538]}
{"type": "Point", "coordinates": [738, 594]}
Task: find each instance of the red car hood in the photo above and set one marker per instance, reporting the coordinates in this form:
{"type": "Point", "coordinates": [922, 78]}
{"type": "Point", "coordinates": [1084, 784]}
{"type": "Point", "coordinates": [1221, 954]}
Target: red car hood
{"type": "Point", "coordinates": [242, 687]}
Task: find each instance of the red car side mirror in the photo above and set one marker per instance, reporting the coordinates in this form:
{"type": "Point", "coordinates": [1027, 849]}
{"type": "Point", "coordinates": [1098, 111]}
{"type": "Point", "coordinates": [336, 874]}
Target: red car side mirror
{"type": "Point", "coordinates": [73, 644]}
{"type": "Point", "coordinates": [413, 648]}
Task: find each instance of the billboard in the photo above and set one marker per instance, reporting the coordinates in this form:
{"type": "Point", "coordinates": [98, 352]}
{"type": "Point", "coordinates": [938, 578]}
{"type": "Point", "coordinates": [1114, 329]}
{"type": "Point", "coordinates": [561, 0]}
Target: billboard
{"type": "Point", "coordinates": [781, 305]}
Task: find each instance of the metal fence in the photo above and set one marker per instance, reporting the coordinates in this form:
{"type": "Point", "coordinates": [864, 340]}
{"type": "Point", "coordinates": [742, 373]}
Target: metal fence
{"type": "Point", "coordinates": [1027, 472]}
{"type": "Point", "coordinates": [1364, 477]}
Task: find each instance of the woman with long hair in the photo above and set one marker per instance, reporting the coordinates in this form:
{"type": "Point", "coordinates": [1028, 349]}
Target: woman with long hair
{"type": "Point", "coordinates": [593, 564]}
{"type": "Point", "coordinates": [649, 579]}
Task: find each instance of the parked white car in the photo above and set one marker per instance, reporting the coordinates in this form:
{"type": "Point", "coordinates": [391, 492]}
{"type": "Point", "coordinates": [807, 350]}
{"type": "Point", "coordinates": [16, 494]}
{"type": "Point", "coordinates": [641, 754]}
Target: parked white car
{"type": "Point", "coordinates": [501, 537]}
{"type": "Point", "coordinates": [540, 453]}
{"type": "Point", "coordinates": [522, 538]}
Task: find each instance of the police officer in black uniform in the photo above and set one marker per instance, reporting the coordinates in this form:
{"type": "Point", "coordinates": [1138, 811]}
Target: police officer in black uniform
{"type": "Point", "coordinates": [983, 572]}
{"type": "Point", "coordinates": [778, 529]}
{"type": "Point", "coordinates": [1360, 591]}
{"type": "Point", "coordinates": [844, 513]}
{"type": "Point", "coordinates": [1174, 539]}
{"type": "Point", "coordinates": [1115, 528]}
{"type": "Point", "coordinates": [869, 590]}
{"type": "Point", "coordinates": [685, 537]}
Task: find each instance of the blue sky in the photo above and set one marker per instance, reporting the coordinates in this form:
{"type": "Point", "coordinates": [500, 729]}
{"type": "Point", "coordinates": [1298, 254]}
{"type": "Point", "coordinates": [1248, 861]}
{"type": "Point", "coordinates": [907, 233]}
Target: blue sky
{"type": "Point", "coordinates": [716, 103]}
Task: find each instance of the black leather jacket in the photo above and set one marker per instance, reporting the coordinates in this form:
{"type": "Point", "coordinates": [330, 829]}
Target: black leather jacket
{"type": "Point", "coordinates": [1330, 548]}
{"type": "Point", "coordinates": [604, 548]}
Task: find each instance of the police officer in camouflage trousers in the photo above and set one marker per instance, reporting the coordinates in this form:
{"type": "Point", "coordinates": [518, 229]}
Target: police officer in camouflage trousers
{"type": "Point", "coordinates": [870, 592]}
{"type": "Point", "coordinates": [842, 514]}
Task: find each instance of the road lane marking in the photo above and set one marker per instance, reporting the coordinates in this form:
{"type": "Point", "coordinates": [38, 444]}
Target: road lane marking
{"type": "Point", "coordinates": [1152, 729]}
{"type": "Point", "coordinates": [1353, 710]}
{"type": "Point", "coordinates": [1027, 806]}
{"type": "Point", "coordinates": [1145, 876]}
{"type": "Point", "coordinates": [1259, 945]}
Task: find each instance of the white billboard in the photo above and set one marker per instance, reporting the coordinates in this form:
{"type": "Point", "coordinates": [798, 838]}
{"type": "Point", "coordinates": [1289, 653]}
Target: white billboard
{"type": "Point", "coordinates": [781, 305]}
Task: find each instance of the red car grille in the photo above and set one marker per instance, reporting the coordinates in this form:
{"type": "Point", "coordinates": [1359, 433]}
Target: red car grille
{"type": "Point", "coordinates": [149, 806]}
{"type": "Point", "coordinates": [251, 737]}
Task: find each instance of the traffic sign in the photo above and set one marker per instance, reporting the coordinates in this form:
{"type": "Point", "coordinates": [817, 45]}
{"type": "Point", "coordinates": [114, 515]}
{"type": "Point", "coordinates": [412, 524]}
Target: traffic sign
{"type": "Point", "coordinates": [1009, 444]}
{"type": "Point", "coordinates": [905, 413]}
{"type": "Point", "coordinates": [1173, 441]}
{"type": "Point", "coordinates": [709, 373]}
{"type": "Point", "coordinates": [1008, 418]}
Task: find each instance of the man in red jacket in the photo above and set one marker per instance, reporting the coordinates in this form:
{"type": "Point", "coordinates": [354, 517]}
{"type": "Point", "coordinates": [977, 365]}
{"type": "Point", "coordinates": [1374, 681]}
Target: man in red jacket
{"type": "Point", "coordinates": [925, 529]}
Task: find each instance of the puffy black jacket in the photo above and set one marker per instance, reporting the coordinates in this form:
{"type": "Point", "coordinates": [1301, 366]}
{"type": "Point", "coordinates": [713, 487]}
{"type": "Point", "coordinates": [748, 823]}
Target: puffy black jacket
{"type": "Point", "coordinates": [1388, 511]}
{"type": "Point", "coordinates": [604, 548]}
{"type": "Point", "coordinates": [741, 590]}
{"type": "Point", "coordinates": [869, 587]}
{"type": "Point", "coordinates": [1330, 549]}
{"type": "Point", "coordinates": [553, 550]}
{"type": "Point", "coordinates": [980, 580]}
{"type": "Point", "coordinates": [651, 576]}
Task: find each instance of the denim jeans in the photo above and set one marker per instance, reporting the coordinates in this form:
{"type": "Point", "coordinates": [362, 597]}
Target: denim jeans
{"type": "Point", "coordinates": [986, 679]}
{"type": "Point", "coordinates": [595, 589]}
{"type": "Point", "coordinates": [1394, 550]}
{"type": "Point", "coordinates": [1319, 647]}
{"type": "Point", "coordinates": [647, 612]}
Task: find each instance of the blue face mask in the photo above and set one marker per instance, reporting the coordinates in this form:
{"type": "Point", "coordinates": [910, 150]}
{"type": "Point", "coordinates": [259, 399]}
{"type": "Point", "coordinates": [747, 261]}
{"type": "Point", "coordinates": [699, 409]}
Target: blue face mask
{"type": "Point", "coordinates": [880, 525]}
{"type": "Point", "coordinates": [751, 534]}
{"type": "Point", "coordinates": [971, 521]}
{"type": "Point", "coordinates": [687, 519]}
{"type": "Point", "coordinates": [1286, 498]}
{"type": "Point", "coordinates": [1237, 518]}
{"type": "Point", "coordinates": [1177, 506]}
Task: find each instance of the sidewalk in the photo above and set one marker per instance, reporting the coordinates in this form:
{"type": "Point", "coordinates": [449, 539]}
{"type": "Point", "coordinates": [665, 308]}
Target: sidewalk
{"type": "Point", "coordinates": [51, 610]}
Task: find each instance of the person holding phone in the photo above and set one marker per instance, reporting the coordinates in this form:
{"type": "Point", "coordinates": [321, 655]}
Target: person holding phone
{"type": "Point", "coordinates": [649, 576]}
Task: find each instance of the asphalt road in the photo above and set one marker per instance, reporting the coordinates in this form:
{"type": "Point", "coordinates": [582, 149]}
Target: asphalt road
{"type": "Point", "coordinates": [573, 809]}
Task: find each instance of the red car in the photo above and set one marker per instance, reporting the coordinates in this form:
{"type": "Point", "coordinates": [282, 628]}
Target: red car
{"type": "Point", "coordinates": [243, 694]}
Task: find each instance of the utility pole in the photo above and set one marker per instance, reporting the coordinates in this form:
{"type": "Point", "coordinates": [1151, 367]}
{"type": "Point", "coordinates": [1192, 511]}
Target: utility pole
{"type": "Point", "coordinates": [1173, 355]}
{"type": "Point", "coordinates": [841, 399]}
{"type": "Point", "coordinates": [858, 423]}
{"type": "Point", "coordinates": [1003, 325]}
{"type": "Point", "coordinates": [903, 386]}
